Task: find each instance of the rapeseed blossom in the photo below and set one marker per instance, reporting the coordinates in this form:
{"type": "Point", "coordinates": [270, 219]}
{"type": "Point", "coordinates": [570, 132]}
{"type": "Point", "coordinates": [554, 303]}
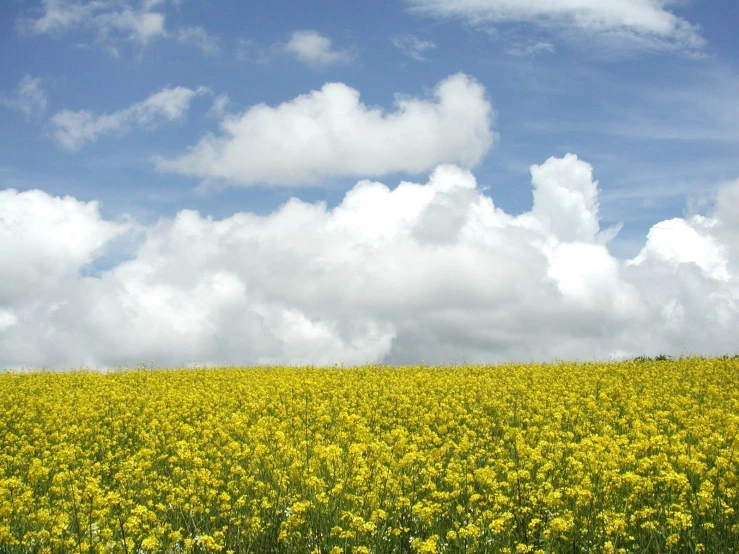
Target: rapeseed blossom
{"type": "Point", "coordinates": [612, 457]}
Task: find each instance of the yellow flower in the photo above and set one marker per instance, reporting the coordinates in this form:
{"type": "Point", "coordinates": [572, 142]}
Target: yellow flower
{"type": "Point", "coordinates": [149, 544]}
{"type": "Point", "coordinates": [427, 546]}
{"type": "Point", "coordinates": [299, 459]}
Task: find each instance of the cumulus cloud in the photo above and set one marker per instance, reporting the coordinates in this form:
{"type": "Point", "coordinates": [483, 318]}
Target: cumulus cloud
{"type": "Point", "coordinates": [29, 98]}
{"type": "Point", "coordinates": [639, 24]}
{"type": "Point", "coordinates": [48, 240]}
{"type": "Point", "coordinates": [679, 241]}
{"type": "Point", "coordinates": [313, 48]}
{"type": "Point", "coordinates": [72, 130]}
{"type": "Point", "coordinates": [412, 46]}
{"type": "Point", "coordinates": [434, 272]}
{"type": "Point", "coordinates": [329, 133]}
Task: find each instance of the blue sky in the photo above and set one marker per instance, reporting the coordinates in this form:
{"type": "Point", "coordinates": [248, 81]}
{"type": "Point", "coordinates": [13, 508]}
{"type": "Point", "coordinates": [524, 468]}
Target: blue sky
{"type": "Point", "coordinates": [141, 111]}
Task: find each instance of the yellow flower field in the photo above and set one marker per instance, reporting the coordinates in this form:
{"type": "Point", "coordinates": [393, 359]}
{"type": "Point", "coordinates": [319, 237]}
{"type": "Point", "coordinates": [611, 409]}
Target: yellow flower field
{"type": "Point", "coordinates": [619, 457]}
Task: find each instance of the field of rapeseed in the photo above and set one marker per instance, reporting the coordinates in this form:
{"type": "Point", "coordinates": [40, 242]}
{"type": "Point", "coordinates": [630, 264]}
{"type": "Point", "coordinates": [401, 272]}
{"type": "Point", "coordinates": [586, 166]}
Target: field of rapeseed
{"type": "Point", "coordinates": [619, 457]}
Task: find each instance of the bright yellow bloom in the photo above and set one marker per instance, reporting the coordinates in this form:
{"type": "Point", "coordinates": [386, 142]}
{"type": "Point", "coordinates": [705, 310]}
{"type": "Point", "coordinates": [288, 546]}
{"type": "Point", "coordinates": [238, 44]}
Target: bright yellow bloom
{"type": "Point", "coordinates": [515, 458]}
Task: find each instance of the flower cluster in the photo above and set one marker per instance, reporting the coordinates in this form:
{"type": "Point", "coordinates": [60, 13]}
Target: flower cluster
{"type": "Point", "coordinates": [612, 457]}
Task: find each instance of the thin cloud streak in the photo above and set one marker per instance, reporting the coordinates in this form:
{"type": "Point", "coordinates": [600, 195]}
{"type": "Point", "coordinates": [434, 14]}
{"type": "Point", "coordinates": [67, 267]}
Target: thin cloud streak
{"type": "Point", "coordinates": [72, 130]}
{"type": "Point", "coordinates": [412, 46]}
{"type": "Point", "coordinates": [636, 24]}
{"type": "Point", "coordinates": [29, 98]}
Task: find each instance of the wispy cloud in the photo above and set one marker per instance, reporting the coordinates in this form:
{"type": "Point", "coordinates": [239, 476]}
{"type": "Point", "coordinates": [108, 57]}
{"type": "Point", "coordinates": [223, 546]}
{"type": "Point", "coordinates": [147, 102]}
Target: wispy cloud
{"type": "Point", "coordinates": [109, 19]}
{"type": "Point", "coordinates": [115, 21]}
{"type": "Point", "coordinates": [72, 130]}
{"type": "Point", "coordinates": [29, 98]}
{"type": "Point", "coordinates": [701, 107]}
{"type": "Point", "coordinates": [531, 49]}
{"type": "Point", "coordinates": [412, 46]}
{"type": "Point", "coordinates": [200, 39]}
{"type": "Point", "coordinates": [307, 46]}
{"type": "Point", "coordinates": [250, 51]}
{"type": "Point", "coordinates": [217, 109]}
{"type": "Point", "coordinates": [704, 109]}
{"type": "Point", "coordinates": [631, 24]}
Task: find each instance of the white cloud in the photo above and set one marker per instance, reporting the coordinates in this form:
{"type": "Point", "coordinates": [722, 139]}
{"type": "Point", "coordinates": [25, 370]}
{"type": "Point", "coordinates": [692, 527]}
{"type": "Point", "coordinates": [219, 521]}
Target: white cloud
{"type": "Point", "coordinates": [678, 241]}
{"type": "Point", "coordinates": [571, 212]}
{"type": "Point", "coordinates": [690, 267]}
{"type": "Point", "coordinates": [49, 239]}
{"type": "Point", "coordinates": [412, 46]}
{"type": "Point", "coordinates": [432, 272]}
{"type": "Point", "coordinates": [7, 319]}
{"type": "Point", "coordinates": [640, 24]}
{"type": "Point", "coordinates": [331, 133]}
{"type": "Point", "coordinates": [29, 98]}
{"type": "Point", "coordinates": [313, 48]}
{"type": "Point", "coordinates": [72, 130]}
